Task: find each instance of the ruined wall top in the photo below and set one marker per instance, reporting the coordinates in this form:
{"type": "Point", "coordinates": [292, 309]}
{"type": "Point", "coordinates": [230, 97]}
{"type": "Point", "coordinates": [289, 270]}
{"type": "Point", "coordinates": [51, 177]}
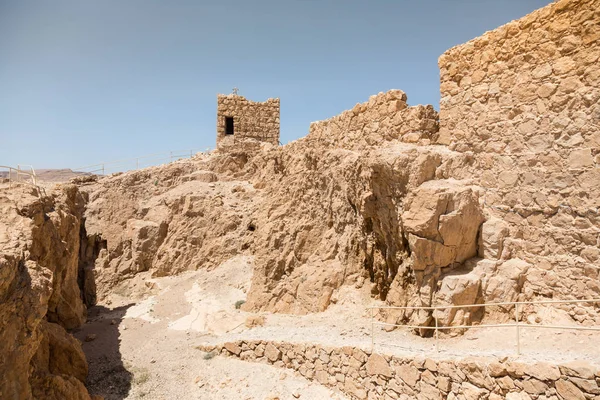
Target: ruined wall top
{"type": "Point", "coordinates": [239, 119]}
{"type": "Point", "coordinates": [386, 116]}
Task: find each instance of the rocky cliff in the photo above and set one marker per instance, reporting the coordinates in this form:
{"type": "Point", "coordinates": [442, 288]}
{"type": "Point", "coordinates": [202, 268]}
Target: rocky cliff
{"type": "Point", "coordinates": [40, 297]}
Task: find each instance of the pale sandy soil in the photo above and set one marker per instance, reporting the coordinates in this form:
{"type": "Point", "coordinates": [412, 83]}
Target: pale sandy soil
{"type": "Point", "coordinates": [145, 348]}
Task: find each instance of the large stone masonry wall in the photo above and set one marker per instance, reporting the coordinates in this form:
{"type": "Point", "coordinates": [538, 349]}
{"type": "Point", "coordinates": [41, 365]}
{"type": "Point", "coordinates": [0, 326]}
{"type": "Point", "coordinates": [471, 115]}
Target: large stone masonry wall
{"type": "Point", "coordinates": [365, 375]}
{"type": "Point", "coordinates": [524, 99]}
{"type": "Point", "coordinates": [386, 116]}
{"type": "Point", "coordinates": [251, 120]}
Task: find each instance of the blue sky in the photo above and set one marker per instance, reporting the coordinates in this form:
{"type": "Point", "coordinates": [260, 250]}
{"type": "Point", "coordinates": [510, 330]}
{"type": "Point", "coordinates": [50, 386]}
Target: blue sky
{"type": "Point", "coordinates": [89, 81]}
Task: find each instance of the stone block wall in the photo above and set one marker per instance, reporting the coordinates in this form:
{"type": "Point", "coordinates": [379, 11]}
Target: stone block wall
{"type": "Point", "coordinates": [524, 100]}
{"type": "Point", "coordinates": [251, 120]}
{"type": "Point", "coordinates": [365, 375]}
{"type": "Point", "coordinates": [386, 116]}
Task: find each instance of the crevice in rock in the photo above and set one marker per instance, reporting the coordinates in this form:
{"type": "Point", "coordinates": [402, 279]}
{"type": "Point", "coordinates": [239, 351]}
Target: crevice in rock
{"type": "Point", "coordinates": [89, 249]}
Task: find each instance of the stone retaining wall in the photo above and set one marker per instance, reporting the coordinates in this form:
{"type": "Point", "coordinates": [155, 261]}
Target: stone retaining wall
{"type": "Point", "coordinates": [363, 375]}
{"type": "Point", "coordinates": [386, 116]}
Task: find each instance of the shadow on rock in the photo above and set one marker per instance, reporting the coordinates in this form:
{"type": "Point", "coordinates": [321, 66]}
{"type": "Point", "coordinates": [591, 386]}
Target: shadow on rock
{"type": "Point", "coordinates": [107, 376]}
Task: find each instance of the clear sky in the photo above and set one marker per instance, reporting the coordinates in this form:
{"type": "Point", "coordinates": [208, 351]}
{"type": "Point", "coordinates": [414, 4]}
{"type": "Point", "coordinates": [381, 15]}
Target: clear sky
{"type": "Point", "coordinates": [85, 81]}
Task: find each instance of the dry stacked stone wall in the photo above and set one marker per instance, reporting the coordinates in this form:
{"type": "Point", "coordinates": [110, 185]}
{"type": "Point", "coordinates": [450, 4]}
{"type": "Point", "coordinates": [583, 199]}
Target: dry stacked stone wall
{"type": "Point", "coordinates": [251, 120]}
{"type": "Point", "coordinates": [386, 116]}
{"type": "Point", "coordinates": [365, 375]}
{"type": "Point", "coordinates": [524, 100]}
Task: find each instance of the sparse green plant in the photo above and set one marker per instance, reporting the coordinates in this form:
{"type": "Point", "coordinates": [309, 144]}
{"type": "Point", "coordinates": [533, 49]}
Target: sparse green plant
{"type": "Point", "coordinates": [239, 303]}
{"type": "Point", "coordinates": [209, 356]}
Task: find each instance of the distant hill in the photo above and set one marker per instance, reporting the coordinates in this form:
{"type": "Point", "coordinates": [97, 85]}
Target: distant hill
{"type": "Point", "coordinates": [52, 175]}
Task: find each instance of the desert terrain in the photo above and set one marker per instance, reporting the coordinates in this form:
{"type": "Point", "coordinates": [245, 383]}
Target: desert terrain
{"type": "Point", "coordinates": [394, 252]}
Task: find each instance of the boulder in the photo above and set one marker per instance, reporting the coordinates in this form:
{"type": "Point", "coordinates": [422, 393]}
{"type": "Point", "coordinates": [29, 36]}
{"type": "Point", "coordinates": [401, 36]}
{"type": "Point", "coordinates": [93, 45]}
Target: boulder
{"type": "Point", "coordinates": [442, 219]}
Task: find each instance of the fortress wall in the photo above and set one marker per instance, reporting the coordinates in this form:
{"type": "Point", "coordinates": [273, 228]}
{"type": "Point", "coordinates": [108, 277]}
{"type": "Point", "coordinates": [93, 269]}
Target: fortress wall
{"type": "Point", "coordinates": [524, 99]}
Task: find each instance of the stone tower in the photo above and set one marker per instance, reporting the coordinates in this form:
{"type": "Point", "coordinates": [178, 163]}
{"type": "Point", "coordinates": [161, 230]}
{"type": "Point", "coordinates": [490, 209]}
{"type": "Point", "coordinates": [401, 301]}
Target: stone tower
{"type": "Point", "coordinates": [239, 119]}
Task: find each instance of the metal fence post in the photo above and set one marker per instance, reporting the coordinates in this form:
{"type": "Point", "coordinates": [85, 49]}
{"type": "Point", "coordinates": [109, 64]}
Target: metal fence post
{"type": "Point", "coordinates": [102, 169]}
{"type": "Point", "coordinates": [372, 330]}
{"type": "Point", "coordinates": [137, 163]}
{"type": "Point", "coordinates": [517, 329]}
{"type": "Point", "coordinates": [437, 346]}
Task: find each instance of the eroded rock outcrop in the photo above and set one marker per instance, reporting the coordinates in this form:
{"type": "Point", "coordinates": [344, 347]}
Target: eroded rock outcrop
{"type": "Point", "coordinates": [40, 296]}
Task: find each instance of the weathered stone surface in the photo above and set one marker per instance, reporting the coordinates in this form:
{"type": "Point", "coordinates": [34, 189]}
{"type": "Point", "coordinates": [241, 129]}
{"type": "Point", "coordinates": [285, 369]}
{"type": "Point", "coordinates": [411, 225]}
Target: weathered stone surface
{"type": "Point", "coordinates": [443, 218]}
{"type": "Point", "coordinates": [272, 352]}
{"type": "Point", "coordinates": [355, 389]}
{"type": "Point", "coordinates": [429, 392]}
{"type": "Point", "coordinates": [542, 371]}
{"type": "Point", "coordinates": [568, 391]}
{"type": "Point", "coordinates": [472, 392]}
{"type": "Point", "coordinates": [408, 373]}
{"type": "Point", "coordinates": [233, 348]}
{"type": "Point", "coordinates": [377, 365]}
{"type": "Point", "coordinates": [579, 369]}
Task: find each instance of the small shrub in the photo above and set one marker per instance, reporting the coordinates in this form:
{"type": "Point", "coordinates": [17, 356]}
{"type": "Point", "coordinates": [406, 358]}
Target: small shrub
{"type": "Point", "coordinates": [209, 356]}
{"type": "Point", "coordinates": [238, 304]}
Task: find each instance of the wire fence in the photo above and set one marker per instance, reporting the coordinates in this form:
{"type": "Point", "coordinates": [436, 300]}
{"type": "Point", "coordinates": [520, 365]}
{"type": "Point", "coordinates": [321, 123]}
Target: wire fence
{"type": "Point", "coordinates": [517, 324]}
{"type": "Point", "coordinates": [17, 176]}
{"type": "Point", "coordinates": [149, 160]}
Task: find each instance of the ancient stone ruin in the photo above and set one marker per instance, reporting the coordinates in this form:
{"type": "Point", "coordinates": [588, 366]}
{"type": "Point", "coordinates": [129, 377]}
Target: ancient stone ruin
{"type": "Point", "coordinates": [200, 277]}
{"type": "Point", "coordinates": [239, 119]}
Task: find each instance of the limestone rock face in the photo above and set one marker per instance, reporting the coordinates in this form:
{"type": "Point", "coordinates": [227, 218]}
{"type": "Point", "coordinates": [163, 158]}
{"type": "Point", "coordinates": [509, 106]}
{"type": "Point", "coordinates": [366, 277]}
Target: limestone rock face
{"type": "Point", "coordinates": [40, 295]}
{"type": "Point", "coordinates": [162, 222]}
